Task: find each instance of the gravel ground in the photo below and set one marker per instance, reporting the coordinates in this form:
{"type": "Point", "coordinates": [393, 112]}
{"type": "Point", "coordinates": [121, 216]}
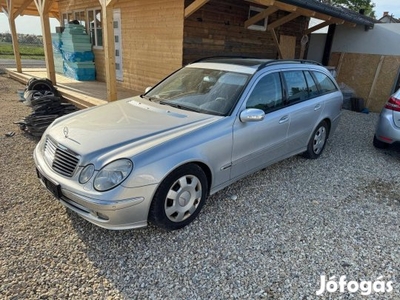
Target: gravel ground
{"type": "Point", "coordinates": [288, 225]}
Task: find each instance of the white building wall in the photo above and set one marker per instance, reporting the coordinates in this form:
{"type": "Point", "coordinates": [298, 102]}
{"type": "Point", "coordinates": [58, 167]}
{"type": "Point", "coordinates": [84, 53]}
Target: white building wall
{"type": "Point", "coordinates": [383, 39]}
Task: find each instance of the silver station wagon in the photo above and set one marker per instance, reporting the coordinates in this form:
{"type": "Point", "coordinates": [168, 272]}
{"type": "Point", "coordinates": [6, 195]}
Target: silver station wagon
{"type": "Point", "coordinates": [157, 157]}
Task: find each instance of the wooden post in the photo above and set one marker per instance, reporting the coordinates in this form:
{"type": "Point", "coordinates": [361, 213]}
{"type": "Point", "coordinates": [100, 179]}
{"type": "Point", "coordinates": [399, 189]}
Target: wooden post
{"type": "Point", "coordinates": [278, 47]}
{"type": "Point", "coordinates": [339, 65]}
{"type": "Point", "coordinates": [17, 54]}
{"type": "Point", "coordinates": [43, 8]}
{"type": "Point", "coordinates": [109, 48]}
{"type": "Point", "coordinates": [377, 72]}
{"type": "Point", "coordinates": [14, 35]}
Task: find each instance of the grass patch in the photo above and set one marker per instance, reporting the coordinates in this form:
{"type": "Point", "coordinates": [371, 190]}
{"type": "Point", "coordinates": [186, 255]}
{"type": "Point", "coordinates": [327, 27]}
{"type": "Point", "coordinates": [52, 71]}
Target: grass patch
{"type": "Point", "coordinates": [27, 51]}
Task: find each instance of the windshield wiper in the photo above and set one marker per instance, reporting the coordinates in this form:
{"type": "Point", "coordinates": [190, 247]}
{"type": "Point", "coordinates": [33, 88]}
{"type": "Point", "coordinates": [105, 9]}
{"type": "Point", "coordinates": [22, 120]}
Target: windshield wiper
{"type": "Point", "coordinates": [177, 105]}
{"type": "Point", "coordinates": [143, 96]}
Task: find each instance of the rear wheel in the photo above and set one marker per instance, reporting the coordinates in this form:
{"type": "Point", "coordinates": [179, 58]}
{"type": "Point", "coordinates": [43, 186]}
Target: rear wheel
{"type": "Point", "coordinates": [179, 198]}
{"type": "Point", "coordinates": [317, 141]}
{"type": "Point", "coordinates": [379, 144]}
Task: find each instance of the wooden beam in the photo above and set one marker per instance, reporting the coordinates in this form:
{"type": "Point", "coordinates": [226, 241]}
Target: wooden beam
{"type": "Point", "coordinates": [197, 4]}
{"type": "Point", "coordinates": [377, 72]}
{"type": "Point", "coordinates": [107, 16]}
{"type": "Point", "coordinates": [261, 15]}
{"type": "Point", "coordinates": [4, 10]}
{"type": "Point", "coordinates": [39, 5]}
{"type": "Point", "coordinates": [275, 38]}
{"type": "Point", "coordinates": [337, 21]}
{"type": "Point", "coordinates": [43, 7]}
{"type": "Point", "coordinates": [306, 12]}
{"type": "Point", "coordinates": [14, 38]}
{"type": "Point", "coordinates": [349, 24]}
{"type": "Point", "coordinates": [339, 65]}
{"type": "Point", "coordinates": [279, 5]}
{"type": "Point", "coordinates": [105, 3]}
{"type": "Point", "coordinates": [322, 17]}
{"type": "Point", "coordinates": [14, 35]}
{"type": "Point", "coordinates": [299, 10]}
{"type": "Point", "coordinates": [20, 9]}
{"type": "Point", "coordinates": [316, 27]}
{"type": "Point", "coordinates": [263, 2]}
{"type": "Point", "coordinates": [283, 20]}
{"type": "Point", "coordinates": [286, 7]}
{"type": "Point", "coordinates": [48, 48]}
{"type": "Point", "coordinates": [109, 52]}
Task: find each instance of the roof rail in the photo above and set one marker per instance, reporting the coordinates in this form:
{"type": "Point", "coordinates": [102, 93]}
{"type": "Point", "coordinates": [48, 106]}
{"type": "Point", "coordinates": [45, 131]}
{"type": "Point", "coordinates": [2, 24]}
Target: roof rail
{"type": "Point", "coordinates": [288, 61]}
{"type": "Point", "coordinates": [262, 65]}
{"type": "Point", "coordinates": [223, 57]}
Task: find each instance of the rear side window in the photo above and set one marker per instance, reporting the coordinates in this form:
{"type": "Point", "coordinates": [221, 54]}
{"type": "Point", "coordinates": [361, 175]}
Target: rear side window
{"type": "Point", "coordinates": [312, 87]}
{"type": "Point", "coordinates": [296, 85]}
{"type": "Point", "coordinates": [326, 85]}
{"type": "Point", "coordinates": [267, 94]}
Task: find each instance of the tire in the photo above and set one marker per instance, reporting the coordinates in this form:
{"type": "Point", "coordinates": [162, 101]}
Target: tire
{"type": "Point", "coordinates": [179, 198]}
{"type": "Point", "coordinates": [31, 95]}
{"type": "Point", "coordinates": [317, 141]}
{"type": "Point", "coordinates": [379, 144]}
{"type": "Point", "coordinates": [42, 84]}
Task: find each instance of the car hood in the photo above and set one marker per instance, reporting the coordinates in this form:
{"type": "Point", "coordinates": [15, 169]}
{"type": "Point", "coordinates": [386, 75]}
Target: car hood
{"type": "Point", "coordinates": [134, 122]}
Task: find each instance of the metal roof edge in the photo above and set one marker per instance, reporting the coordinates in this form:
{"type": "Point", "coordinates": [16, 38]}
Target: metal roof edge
{"type": "Point", "coordinates": [334, 11]}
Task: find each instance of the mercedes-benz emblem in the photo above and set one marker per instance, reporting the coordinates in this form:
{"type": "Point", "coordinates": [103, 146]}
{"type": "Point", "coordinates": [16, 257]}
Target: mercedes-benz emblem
{"type": "Point", "coordinates": [65, 130]}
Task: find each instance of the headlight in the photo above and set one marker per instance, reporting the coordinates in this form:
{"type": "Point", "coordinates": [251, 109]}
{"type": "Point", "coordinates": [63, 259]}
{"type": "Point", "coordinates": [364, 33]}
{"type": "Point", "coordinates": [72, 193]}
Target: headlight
{"type": "Point", "coordinates": [86, 174]}
{"type": "Point", "coordinates": [112, 174]}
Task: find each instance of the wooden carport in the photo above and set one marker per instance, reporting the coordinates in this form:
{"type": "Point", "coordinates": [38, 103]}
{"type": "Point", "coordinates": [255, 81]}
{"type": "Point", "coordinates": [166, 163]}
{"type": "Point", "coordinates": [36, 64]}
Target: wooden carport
{"type": "Point", "coordinates": [330, 16]}
{"type": "Point", "coordinates": [49, 8]}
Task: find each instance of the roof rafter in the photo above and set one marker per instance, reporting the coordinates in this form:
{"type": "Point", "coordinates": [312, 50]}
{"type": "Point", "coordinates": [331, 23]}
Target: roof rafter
{"type": "Point", "coordinates": [317, 27]}
{"type": "Point", "coordinates": [261, 15]}
{"type": "Point", "coordinates": [194, 7]}
{"type": "Point", "coordinates": [22, 8]}
{"type": "Point", "coordinates": [283, 20]}
{"type": "Point", "coordinates": [300, 11]}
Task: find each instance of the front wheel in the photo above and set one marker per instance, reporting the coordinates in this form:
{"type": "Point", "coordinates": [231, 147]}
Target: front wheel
{"type": "Point", "coordinates": [179, 198]}
{"type": "Point", "coordinates": [317, 141]}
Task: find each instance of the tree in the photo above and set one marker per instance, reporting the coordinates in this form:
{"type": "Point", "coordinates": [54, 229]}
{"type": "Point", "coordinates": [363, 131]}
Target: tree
{"type": "Point", "coordinates": [357, 5]}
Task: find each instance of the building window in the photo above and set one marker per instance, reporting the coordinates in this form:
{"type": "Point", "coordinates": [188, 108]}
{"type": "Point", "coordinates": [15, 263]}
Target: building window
{"type": "Point", "coordinates": [91, 20]}
{"type": "Point", "coordinates": [80, 16]}
{"type": "Point", "coordinates": [95, 27]}
{"type": "Point", "coordinates": [260, 25]}
{"type": "Point", "coordinates": [66, 18]}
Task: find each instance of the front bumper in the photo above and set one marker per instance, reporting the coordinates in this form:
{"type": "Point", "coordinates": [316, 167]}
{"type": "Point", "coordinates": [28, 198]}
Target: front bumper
{"type": "Point", "coordinates": [128, 208]}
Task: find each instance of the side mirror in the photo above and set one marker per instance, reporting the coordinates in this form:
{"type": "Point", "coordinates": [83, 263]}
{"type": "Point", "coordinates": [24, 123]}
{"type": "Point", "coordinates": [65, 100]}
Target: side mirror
{"type": "Point", "coordinates": [148, 89]}
{"type": "Point", "coordinates": [252, 115]}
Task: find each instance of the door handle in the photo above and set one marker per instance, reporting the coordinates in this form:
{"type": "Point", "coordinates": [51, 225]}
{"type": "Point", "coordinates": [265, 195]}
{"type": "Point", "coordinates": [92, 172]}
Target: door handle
{"type": "Point", "coordinates": [318, 106]}
{"type": "Point", "coordinates": [284, 119]}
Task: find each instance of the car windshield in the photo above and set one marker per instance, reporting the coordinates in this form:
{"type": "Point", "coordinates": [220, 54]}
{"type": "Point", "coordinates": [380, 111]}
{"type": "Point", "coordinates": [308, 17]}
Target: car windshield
{"type": "Point", "coordinates": [199, 89]}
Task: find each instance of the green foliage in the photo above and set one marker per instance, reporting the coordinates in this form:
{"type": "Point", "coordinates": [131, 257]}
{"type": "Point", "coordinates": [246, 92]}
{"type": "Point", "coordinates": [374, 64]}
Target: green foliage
{"type": "Point", "coordinates": [22, 38]}
{"type": "Point", "coordinates": [30, 46]}
{"type": "Point", "coordinates": [356, 5]}
{"type": "Point", "coordinates": [26, 50]}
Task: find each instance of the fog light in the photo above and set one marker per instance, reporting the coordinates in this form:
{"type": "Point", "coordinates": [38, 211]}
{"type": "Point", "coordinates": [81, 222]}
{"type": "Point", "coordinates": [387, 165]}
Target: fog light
{"type": "Point", "coordinates": [102, 216]}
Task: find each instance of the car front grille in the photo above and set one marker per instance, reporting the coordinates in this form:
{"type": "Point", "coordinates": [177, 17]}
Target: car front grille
{"type": "Point", "coordinates": [60, 158]}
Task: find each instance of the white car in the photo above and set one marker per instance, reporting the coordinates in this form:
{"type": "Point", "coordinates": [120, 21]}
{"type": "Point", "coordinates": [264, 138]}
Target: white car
{"type": "Point", "coordinates": [388, 127]}
{"type": "Point", "coordinates": [156, 157]}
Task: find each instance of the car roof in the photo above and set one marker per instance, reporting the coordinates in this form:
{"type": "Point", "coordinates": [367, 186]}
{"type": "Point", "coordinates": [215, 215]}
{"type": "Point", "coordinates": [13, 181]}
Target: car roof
{"type": "Point", "coordinates": [246, 64]}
